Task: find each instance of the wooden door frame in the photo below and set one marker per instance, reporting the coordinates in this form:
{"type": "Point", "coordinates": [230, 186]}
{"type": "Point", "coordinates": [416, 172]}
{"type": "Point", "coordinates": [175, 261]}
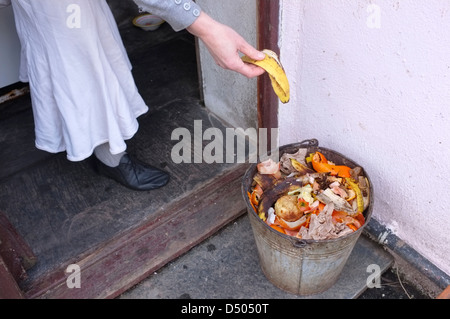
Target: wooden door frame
{"type": "Point", "coordinates": [268, 34]}
{"type": "Point", "coordinates": [267, 38]}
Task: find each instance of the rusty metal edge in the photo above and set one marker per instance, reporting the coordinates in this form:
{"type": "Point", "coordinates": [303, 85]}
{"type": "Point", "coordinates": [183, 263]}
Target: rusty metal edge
{"type": "Point", "coordinates": [14, 91]}
{"type": "Point", "coordinates": [383, 236]}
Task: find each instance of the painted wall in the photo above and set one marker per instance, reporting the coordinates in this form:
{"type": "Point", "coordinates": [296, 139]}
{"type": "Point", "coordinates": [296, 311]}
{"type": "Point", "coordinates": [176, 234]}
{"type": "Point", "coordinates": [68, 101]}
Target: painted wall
{"type": "Point", "coordinates": [371, 79]}
{"type": "Point", "coordinates": [227, 94]}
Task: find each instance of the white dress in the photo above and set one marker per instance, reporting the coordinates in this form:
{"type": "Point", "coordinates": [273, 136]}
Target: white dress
{"type": "Point", "coordinates": [82, 89]}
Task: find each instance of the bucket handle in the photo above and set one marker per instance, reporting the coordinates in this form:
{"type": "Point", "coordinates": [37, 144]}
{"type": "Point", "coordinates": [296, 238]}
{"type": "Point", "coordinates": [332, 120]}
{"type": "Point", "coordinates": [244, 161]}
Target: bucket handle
{"type": "Point", "coordinates": [309, 143]}
{"type": "Point", "coordinates": [298, 243]}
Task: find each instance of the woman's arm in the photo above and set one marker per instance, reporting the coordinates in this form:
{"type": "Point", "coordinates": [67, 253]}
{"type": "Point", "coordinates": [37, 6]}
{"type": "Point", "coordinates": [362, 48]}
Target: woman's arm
{"type": "Point", "coordinates": [224, 44]}
{"type": "Point", "coordinates": [178, 13]}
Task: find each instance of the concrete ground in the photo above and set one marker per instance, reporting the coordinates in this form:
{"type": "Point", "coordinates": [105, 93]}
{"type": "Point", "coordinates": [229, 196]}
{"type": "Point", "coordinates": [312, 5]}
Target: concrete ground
{"type": "Point", "coordinates": [227, 266]}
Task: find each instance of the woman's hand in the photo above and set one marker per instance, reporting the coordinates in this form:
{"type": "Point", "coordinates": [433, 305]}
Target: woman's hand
{"type": "Point", "coordinates": [224, 45]}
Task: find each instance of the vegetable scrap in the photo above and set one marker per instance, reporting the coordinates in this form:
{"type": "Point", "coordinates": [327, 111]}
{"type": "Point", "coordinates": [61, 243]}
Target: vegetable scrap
{"type": "Point", "coordinates": [309, 197]}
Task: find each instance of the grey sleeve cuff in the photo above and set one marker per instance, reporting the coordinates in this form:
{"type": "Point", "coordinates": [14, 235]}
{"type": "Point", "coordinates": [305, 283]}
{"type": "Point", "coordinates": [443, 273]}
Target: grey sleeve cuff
{"type": "Point", "coordinates": [5, 3]}
{"type": "Point", "coordinates": [180, 14]}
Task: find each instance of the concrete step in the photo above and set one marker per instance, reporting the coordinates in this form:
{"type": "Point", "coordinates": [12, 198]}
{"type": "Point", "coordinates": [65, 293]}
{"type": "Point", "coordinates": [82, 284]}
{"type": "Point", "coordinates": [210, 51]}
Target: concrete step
{"type": "Point", "coordinates": [226, 266]}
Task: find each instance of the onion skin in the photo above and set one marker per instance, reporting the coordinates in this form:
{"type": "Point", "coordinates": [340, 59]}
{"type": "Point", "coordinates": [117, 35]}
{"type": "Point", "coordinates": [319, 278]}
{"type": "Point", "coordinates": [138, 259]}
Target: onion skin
{"type": "Point", "coordinates": [268, 167]}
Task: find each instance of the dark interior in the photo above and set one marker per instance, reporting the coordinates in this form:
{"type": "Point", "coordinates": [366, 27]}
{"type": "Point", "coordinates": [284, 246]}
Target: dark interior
{"type": "Point", "coordinates": [64, 209]}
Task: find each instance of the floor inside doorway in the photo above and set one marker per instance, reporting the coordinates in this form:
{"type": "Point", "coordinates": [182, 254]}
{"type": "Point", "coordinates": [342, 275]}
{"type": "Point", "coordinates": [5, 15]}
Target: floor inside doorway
{"type": "Point", "coordinates": [63, 209]}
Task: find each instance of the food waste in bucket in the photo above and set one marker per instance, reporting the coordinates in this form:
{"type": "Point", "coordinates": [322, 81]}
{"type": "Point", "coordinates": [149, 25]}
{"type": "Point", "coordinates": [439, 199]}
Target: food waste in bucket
{"type": "Point", "coordinates": [307, 211]}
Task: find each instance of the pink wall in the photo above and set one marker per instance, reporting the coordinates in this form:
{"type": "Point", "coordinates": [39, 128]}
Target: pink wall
{"type": "Point", "coordinates": [371, 79]}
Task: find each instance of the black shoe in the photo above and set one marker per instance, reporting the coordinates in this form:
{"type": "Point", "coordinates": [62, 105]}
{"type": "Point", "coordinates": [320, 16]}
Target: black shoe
{"type": "Point", "coordinates": [134, 174]}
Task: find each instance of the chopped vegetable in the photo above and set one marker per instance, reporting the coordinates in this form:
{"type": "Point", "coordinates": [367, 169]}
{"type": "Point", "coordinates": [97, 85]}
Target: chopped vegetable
{"type": "Point", "coordinates": [359, 197]}
{"type": "Point", "coordinates": [303, 205]}
{"type": "Point", "coordinates": [251, 202]}
{"type": "Point", "coordinates": [304, 193]}
{"type": "Point", "coordinates": [254, 197]}
{"type": "Point", "coordinates": [320, 203]}
{"type": "Point", "coordinates": [321, 165]}
{"type": "Point", "coordinates": [278, 228]}
{"type": "Point", "coordinates": [269, 167]}
{"type": "Point", "coordinates": [295, 163]}
{"type": "Point", "coordinates": [296, 225]}
{"type": "Point", "coordinates": [288, 208]}
{"type": "Point", "coordinates": [271, 216]}
{"type": "Point", "coordinates": [328, 197]}
{"type": "Point", "coordinates": [262, 216]}
{"type": "Point", "coordinates": [299, 167]}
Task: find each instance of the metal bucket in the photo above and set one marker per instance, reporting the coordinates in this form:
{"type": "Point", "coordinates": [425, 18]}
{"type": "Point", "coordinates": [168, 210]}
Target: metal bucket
{"type": "Point", "coordinates": [302, 267]}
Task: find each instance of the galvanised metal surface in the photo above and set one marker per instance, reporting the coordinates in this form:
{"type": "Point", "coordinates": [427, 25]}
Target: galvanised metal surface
{"type": "Point", "coordinates": [302, 267]}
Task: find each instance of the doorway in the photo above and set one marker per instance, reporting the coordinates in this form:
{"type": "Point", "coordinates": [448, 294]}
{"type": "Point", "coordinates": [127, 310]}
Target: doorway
{"type": "Point", "coordinates": [68, 215]}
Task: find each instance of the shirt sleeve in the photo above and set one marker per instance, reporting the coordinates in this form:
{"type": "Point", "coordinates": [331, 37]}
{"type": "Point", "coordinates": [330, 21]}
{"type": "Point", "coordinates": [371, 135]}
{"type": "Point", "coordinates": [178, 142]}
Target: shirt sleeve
{"type": "Point", "coordinates": [4, 3]}
{"type": "Point", "coordinates": [180, 14]}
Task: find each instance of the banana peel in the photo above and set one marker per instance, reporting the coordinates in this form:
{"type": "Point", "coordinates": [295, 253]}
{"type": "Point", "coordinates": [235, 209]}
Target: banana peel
{"type": "Point", "coordinates": [276, 72]}
{"type": "Point", "coordinates": [301, 168]}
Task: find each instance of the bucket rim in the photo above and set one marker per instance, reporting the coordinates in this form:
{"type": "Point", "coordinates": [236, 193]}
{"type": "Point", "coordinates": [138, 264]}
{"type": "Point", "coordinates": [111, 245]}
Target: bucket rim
{"type": "Point", "coordinates": [310, 144]}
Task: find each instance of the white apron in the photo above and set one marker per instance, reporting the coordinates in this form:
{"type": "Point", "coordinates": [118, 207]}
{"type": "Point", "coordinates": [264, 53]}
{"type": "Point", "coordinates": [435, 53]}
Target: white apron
{"type": "Point", "coordinates": [82, 90]}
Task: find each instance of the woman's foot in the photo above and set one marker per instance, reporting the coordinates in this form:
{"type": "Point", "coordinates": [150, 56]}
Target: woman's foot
{"type": "Point", "coordinates": [134, 174]}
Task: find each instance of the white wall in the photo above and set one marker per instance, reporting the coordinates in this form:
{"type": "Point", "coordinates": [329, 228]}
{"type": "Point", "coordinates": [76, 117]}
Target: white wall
{"type": "Point", "coordinates": [375, 86]}
{"type": "Point", "coordinates": [227, 94]}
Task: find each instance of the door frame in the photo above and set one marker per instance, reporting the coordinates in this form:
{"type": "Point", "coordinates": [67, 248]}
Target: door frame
{"type": "Point", "coordinates": [268, 34]}
{"type": "Point", "coordinates": [54, 285]}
